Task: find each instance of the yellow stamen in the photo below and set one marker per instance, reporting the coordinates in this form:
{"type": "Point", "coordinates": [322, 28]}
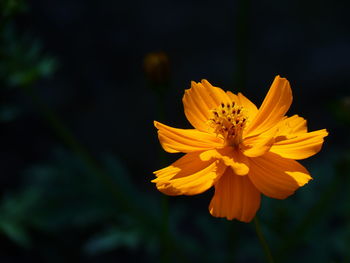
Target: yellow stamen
{"type": "Point", "coordinates": [229, 120]}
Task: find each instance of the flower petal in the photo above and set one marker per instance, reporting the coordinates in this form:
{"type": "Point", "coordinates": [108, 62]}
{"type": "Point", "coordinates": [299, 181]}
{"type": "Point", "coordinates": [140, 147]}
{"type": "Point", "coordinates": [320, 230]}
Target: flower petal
{"type": "Point", "coordinates": [175, 140]}
{"type": "Point", "coordinates": [290, 127]}
{"type": "Point", "coordinates": [218, 95]}
{"type": "Point", "coordinates": [301, 146]}
{"type": "Point", "coordinates": [198, 102]}
{"type": "Point", "coordinates": [273, 108]}
{"type": "Point", "coordinates": [276, 176]}
{"type": "Point", "coordinates": [235, 198]}
{"type": "Point", "coordinates": [257, 145]}
{"type": "Point", "coordinates": [188, 176]}
{"type": "Point", "coordinates": [231, 157]}
{"type": "Point", "coordinates": [249, 107]}
{"type": "Point", "coordinates": [232, 96]}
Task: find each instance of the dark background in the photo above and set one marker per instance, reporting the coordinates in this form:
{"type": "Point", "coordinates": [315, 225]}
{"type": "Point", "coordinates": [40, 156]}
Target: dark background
{"type": "Point", "coordinates": [78, 146]}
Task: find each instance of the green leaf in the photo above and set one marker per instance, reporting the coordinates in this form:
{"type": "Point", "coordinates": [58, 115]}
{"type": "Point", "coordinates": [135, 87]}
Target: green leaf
{"type": "Point", "coordinates": [16, 232]}
{"type": "Point", "coordinates": [111, 239]}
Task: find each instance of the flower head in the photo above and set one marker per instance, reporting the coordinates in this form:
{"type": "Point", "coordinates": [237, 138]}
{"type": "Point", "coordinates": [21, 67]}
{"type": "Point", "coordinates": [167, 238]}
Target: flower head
{"type": "Point", "coordinates": [239, 149]}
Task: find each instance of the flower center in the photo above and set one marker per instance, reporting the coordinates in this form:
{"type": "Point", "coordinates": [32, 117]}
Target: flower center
{"type": "Point", "coordinates": [229, 121]}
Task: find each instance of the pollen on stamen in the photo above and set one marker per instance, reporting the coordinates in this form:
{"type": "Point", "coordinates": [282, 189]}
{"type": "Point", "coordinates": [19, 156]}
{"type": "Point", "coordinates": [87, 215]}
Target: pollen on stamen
{"type": "Point", "coordinates": [228, 121]}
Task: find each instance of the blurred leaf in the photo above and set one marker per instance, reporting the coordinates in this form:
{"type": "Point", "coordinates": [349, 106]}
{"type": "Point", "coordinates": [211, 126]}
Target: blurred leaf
{"type": "Point", "coordinates": [341, 109]}
{"type": "Point", "coordinates": [8, 112]}
{"type": "Point", "coordinates": [111, 239]}
{"type": "Point", "coordinates": [72, 194]}
{"type": "Point", "coordinates": [22, 60]}
{"type": "Point", "coordinates": [14, 212]}
{"type": "Point", "coordinates": [15, 232]}
{"type": "Point", "coordinates": [11, 7]}
{"type": "Point", "coordinates": [116, 170]}
{"type": "Point", "coordinates": [65, 195]}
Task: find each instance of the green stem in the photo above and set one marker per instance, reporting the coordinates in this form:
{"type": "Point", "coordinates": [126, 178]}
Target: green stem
{"type": "Point", "coordinates": [241, 43]}
{"type": "Point", "coordinates": [262, 241]}
{"type": "Point", "coordinates": [232, 240]}
{"type": "Point", "coordinates": [165, 253]}
{"type": "Point", "coordinates": [165, 232]}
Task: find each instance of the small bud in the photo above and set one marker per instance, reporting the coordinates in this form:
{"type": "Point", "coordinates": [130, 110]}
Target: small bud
{"type": "Point", "coordinates": [157, 68]}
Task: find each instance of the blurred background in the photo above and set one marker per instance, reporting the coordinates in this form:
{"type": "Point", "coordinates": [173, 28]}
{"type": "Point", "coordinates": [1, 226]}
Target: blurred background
{"type": "Point", "coordinates": [81, 82]}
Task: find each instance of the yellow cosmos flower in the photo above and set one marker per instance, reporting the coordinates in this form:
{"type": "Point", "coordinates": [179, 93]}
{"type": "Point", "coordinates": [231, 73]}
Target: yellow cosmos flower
{"type": "Point", "coordinates": [240, 150]}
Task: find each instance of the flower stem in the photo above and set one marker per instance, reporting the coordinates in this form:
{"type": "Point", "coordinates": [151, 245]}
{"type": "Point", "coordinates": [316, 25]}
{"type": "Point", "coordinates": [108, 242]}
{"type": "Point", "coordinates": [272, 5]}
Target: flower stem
{"type": "Point", "coordinates": [165, 230]}
{"type": "Point", "coordinates": [242, 8]}
{"type": "Point", "coordinates": [262, 241]}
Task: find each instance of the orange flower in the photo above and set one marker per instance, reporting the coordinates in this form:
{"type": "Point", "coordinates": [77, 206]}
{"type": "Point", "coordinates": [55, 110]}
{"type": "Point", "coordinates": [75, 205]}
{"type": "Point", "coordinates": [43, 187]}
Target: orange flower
{"type": "Point", "coordinates": [240, 150]}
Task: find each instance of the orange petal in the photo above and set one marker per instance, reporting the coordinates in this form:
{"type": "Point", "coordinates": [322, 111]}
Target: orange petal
{"type": "Point", "coordinates": [249, 107]}
{"type": "Point", "coordinates": [198, 102]}
{"type": "Point", "coordinates": [277, 177]}
{"type": "Point", "coordinates": [232, 96]}
{"type": "Point", "coordinates": [273, 108]}
{"type": "Point", "coordinates": [231, 157]}
{"type": "Point", "coordinates": [291, 126]}
{"type": "Point", "coordinates": [235, 198]}
{"type": "Point", "coordinates": [217, 94]}
{"type": "Point", "coordinates": [257, 145]}
{"type": "Point", "coordinates": [301, 146]}
{"type": "Point", "coordinates": [188, 175]}
{"type": "Point", "coordinates": [175, 140]}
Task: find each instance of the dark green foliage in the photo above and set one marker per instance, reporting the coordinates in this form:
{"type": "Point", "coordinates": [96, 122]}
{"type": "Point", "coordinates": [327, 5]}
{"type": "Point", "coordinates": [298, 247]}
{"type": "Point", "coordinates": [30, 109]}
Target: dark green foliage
{"type": "Point", "coordinates": [22, 62]}
{"type": "Point", "coordinates": [65, 195]}
{"type": "Point", "coordinates": [66, 206]}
